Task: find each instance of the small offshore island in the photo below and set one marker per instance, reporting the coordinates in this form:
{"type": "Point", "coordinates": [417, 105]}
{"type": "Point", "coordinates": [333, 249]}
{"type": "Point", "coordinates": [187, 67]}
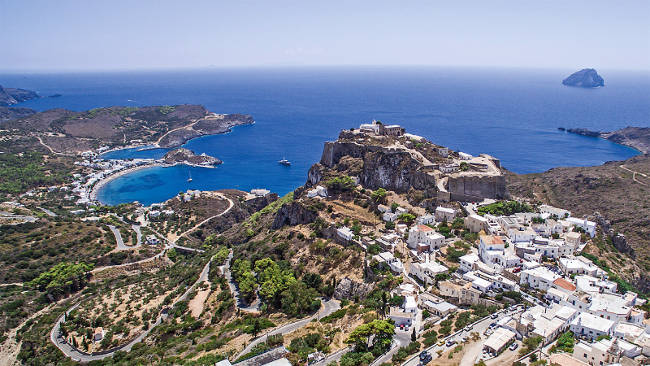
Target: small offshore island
{"type": "Point", "coordinates": [188, 157]}
{"type": "Point", "coordinates": [585, 78]}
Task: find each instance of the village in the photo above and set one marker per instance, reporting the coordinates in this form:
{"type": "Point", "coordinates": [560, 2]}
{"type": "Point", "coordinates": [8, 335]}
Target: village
{"type": "Point", "coordinates": [532, 256]}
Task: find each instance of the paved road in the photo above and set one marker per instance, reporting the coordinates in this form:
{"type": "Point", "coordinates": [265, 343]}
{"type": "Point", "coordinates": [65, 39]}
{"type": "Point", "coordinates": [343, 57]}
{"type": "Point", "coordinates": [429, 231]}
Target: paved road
{"type": "Point", "coordinates": [10, 216]}
{"type": "Point", "coordinates": [47, 212]}
{"type": "Point", "coordinates": [230, 206]}
{"type": "Point", "coordinates": [634, 173]}
{"type": "Point", "coordinates": [328, 308]}
{"type": "Point", "coordinates": [478, 327]}
{"type": "Point", "coordinates": [75, 355]}
{"type": "Point", "coordinates": [138, 235]}
{"type": "Point", "coordinates": [239, 304]}
{"type": "Point", "coordinates": [118, 238]}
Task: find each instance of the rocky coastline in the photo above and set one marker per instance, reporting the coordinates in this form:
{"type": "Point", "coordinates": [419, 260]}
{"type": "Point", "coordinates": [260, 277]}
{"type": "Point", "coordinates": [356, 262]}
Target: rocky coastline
{"type": "Point", "coordinates": [635, 137]}
{"type": "Point", "coordinates": [11, 96]}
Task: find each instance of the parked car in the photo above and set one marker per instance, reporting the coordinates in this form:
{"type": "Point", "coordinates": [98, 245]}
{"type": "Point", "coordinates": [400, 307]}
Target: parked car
{"type": "Point", "coordinates": [441, 342]}
{"type": "Point", "coordinates": [450, 342]}
{"type": "Point", "coordinates": [513, 346]}
{"type": "Point", "coordinates": [494, 316]}
{"type": "Point", "coordinates": [401, 326]}
{"type": "Point", "coordinates": [468, 328]}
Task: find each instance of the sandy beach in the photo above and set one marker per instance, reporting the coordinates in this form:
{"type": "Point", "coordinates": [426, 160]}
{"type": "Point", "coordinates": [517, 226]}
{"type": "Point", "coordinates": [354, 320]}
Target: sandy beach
{"type": "Point", "coordinates": [105, 180]}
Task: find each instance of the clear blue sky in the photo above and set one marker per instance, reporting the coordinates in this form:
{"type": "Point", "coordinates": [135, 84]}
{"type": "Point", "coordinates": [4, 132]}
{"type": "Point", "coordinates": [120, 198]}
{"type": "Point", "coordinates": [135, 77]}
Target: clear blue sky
{"type": "Point", "coordinates": [140, 34]}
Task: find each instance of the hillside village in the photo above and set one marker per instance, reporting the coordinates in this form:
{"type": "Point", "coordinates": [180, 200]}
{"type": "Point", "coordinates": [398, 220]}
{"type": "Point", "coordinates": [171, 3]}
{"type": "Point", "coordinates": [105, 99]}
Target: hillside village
{"type": "Point", "coordinates": [531, 254]}
{"type": "Point", "coordinates": [389, 232]}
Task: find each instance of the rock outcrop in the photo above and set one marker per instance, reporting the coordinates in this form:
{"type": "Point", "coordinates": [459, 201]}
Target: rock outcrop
{"type": "Point", "coordinates": [349, 289]}
{"type": "Point", "coordinates": [294, 213]}
{"type": "Point", "coordinates": [185, 156]}
{"type": "Point", "coordinates": [11, 96]}
{"type": "Point", "coordinates": [585, 78]}
{"type": "Point", "coordinates": [390, 169]}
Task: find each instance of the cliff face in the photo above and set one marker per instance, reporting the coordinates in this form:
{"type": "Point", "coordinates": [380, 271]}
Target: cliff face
{"type": "Point", "coordinates": [475, 188]}
{"type": "Point", "coordinates": [585, 78]}
{"type": "Point", "coordinates": [381, 167]}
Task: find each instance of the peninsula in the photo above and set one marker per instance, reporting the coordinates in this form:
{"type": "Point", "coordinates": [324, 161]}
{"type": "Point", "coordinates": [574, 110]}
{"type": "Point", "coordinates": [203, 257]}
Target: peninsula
{"type": "Point", "coordinates": [11, 96]}
{"type": "Point", "coordinates": [69, 133]}
{"type": "Point", "coordinates": [635, 137]}
{"type": "Point", "coordinates": [585, 78]}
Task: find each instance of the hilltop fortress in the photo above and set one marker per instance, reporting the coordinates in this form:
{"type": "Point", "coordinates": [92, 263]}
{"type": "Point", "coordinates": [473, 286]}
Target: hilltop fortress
{"type": "Point", "coordinates": [385, 156]}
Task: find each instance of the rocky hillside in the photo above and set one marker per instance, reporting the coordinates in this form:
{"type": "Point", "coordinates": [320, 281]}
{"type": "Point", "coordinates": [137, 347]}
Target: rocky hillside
{"type": "Point", "coordinates": [409, 164]}
{"type": "Point", "coordinates": [9, 113]}
{"type": "Point", "coordinates": [617, 194]}
{"type": "Point", "coordinates": [11, 96]}
{"type": "Point", "coordinates": [65, 131]}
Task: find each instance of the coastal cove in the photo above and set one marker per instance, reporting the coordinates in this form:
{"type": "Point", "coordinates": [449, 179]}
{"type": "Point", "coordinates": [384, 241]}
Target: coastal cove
{"type": "Point", "coordinates": [511, 114]}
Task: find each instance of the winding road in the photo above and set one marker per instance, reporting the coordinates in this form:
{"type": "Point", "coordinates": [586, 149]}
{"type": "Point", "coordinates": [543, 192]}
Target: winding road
{"type": "Point", "coordinates": [76, 355]}
{"type": "Point", "coordinates": [118, 238]}
{"type": "Point", "coordinates": [328, 308]}
{"type": "Point", "coordinates": [634, 174]}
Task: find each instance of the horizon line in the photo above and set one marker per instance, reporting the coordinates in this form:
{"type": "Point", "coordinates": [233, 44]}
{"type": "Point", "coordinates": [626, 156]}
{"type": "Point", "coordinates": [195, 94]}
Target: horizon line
{"type": "Point", "coordinates": [297, 67]}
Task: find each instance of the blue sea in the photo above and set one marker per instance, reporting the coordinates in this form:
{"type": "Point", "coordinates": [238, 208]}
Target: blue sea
{"type": "Point", "coordinates": [511, 114]}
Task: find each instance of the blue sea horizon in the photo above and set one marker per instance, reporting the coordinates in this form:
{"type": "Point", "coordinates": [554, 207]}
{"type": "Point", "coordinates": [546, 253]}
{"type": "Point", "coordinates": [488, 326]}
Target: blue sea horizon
{"type": "Point", "coordinates": [510, 114]}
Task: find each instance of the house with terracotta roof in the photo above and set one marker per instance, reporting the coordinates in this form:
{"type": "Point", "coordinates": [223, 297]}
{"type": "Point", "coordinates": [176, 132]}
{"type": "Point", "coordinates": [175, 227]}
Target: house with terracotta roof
{"type": "Point", "coordinates": [563, 284]}
{"type": "Point", "coordinates": [423, 236]}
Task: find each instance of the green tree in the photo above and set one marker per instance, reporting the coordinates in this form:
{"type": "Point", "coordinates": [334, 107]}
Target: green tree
{"type": "Point", "coordinates": [376, 335]}
{"type": "Point", "coordinates": [379, 195]}
{"type": "Point", "coordinates": [298, 299]}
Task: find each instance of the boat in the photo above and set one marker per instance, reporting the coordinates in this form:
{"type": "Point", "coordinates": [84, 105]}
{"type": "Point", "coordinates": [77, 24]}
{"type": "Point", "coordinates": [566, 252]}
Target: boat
{"type": "Point", "coordinates": [190, 178]}
{"type": "Point", "coordinates": [284, 162]}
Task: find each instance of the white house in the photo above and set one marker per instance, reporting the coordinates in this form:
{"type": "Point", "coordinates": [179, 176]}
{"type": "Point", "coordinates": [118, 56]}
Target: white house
{"type": "Point", "coordinates": [575, 265]}
{"type": "Point", "coordinates": [445, 214]}
{"type": "Point", "coordinates": [422, 234]}
{"type": "Point", "coordinates": [389, 260]}
{"type": "Point", "coordinates": [467, 262]}
{"type": "Point", "coordinates": [559, 212]}
{"type": "Point", "coordinates": [427, 271]}
{"type": "Point", "coordinates": [588, 226]}
{"type": "Point", "coordinates": [475, 223]}
{"type": "Point", "coordinates": [489, 247]}
{"type": "Point", "coordinates": [539, 278]}
{"type": "Point", "coordinates": [345, 233]}
{"type": "Point", "coordinates": [591, 326]}
{"type": "Point", "coordinates": [426, 219]}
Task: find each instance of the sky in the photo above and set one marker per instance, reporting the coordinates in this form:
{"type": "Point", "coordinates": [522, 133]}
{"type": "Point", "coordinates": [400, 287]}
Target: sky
{"type": "Point", "coordinates": [80, 35]}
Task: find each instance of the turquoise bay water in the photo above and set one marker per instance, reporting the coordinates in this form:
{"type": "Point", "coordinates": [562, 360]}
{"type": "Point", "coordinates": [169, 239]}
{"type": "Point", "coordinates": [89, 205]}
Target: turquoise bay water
{"type": "Point", "coordinates": [511, 114]}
